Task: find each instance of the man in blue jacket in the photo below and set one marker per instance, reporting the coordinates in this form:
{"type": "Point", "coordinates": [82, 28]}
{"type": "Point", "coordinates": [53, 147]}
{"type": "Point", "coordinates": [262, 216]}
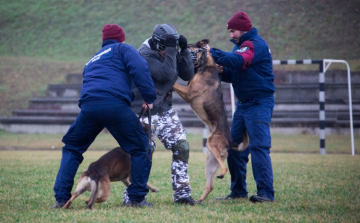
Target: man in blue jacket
{"type": "Point", "coordinates": [105, 100]}
{"type": "Point", "coordinates": [249, 68]}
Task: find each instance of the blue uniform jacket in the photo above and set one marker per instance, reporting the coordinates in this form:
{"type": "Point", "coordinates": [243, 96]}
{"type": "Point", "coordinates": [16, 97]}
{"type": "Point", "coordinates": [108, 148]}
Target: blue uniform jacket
{"type": "Point", "coordinates": [112, 72]}
{"type": "Point", "coordinates": [248, 67]}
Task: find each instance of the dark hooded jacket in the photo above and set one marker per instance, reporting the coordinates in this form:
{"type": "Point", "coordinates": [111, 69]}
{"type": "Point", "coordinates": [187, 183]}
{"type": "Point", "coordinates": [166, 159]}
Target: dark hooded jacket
{"type": "Point", "coordinates": [164, 72]}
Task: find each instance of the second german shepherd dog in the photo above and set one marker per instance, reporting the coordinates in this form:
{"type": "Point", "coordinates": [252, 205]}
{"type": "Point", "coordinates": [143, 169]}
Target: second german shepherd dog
{"type": "Point", "coordinates": [115, 165]}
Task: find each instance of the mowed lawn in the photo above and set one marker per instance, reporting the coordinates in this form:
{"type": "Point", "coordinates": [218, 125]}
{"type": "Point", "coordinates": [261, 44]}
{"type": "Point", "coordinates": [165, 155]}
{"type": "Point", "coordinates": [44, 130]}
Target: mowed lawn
{"type": "Point", "coordinates": [309, 188]}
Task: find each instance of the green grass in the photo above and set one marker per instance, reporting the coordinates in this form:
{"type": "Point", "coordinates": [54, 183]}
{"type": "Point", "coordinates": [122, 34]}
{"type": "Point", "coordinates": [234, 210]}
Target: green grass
{"type": "Point", "coordinates": [65, 29]}
{"type": "Point", "coordinates": [335, 144]}
{"type": "Point", "coordinates": [309, 188]}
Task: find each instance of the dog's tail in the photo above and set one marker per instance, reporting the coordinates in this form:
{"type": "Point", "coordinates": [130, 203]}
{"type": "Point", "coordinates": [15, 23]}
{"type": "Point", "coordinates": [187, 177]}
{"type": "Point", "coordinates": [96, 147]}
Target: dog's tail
{"type": "Point", "coordinates": [83, 185]}
{"type": "Point", "coordinates": [242, 146]}
{"type": "Point", "coordinates": [94, 192]}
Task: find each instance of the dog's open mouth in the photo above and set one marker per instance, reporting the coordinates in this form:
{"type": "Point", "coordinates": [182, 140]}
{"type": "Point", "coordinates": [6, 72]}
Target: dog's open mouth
{"type": "Point", "coordinates": [193, 55]}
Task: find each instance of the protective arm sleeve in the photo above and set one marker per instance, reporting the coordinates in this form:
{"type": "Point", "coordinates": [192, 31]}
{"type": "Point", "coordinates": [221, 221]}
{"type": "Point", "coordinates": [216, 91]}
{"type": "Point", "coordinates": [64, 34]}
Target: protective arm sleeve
{"type": "Point", "coordinates": [140, 74]}
{"type": "Point", "coordinates": [185, 65]}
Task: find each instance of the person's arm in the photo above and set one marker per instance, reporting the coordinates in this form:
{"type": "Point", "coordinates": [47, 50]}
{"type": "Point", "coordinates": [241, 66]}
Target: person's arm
{"type": "Point", "coordinates": [241, 58]}
{"type": "Point", "coordinates": [164, 71]}
{"type": "Point", "coordinates": [185, 64]}
{"type": "Point", "coordinates": [140, 74]}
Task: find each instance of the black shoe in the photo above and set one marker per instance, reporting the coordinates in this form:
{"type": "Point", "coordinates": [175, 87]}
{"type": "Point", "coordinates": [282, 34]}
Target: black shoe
{"type": "Point", "coordinates": [187, 200]}
{"type": "Point", "coordinates": [59, 204]}
{"type": "Point", "coordinates": [229, 197]}
{"type": "Point", "coordinates": [260, 198]}
{"type": "Point", "coordinates": [142, 203]}
{"type": "Point", "coordinates": [127, 202]}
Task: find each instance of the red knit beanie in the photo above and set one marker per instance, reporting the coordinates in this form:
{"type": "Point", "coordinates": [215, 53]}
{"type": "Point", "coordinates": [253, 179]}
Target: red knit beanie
{"type": "Point", "coordinates": [240, 21]}
{"type": "Point", "coordinates": [113, 31]}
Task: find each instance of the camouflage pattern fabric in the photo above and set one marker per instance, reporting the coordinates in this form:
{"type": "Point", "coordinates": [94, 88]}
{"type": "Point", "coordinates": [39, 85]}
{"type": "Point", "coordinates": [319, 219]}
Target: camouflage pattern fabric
{"type": "Point", "coordinates": [167, 127]}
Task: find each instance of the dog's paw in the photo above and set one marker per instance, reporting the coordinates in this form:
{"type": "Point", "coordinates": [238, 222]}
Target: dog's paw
{"type": "Point", "coordinates": [157, 190]}
{"type": "Point", "coordinates": [220, 176]}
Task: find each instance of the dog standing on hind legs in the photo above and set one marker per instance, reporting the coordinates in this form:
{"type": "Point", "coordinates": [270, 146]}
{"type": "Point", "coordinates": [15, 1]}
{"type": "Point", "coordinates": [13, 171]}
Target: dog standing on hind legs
{"type": "Point", "coordinates": [204, 94]}
{"type": "Point", "coordinates": [112, 166]}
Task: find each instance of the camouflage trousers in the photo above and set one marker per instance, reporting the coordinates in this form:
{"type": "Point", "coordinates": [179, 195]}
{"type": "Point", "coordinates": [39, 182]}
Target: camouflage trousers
{"type": "Point", "coordinates": [167, 127]}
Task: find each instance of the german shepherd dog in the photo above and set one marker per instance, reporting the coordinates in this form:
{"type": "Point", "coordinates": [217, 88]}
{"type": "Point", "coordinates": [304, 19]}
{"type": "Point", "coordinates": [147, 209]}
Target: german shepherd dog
{"type": "Point", "coordinates": [112, 166]}
{"type": "Point", "coordinates": [204, 94]}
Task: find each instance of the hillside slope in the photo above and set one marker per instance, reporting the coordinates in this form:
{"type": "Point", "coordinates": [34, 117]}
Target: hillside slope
{"type": "Point", "coordinates": [41, 41]}
{"type": "Point", "coordinates": [66, 29]}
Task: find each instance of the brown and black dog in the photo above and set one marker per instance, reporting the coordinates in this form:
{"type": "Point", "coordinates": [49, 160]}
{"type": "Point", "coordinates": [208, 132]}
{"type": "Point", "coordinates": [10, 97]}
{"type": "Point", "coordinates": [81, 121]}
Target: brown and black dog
{"type": "Point", "coordinates": [204, 94]}
{"type": "Point", "coordinates": [112, 166]}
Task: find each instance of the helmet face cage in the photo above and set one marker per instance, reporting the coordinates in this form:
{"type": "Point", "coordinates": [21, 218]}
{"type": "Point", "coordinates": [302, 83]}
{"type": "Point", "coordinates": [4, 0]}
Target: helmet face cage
{"type": "Point", "coordinates": [159, 32]}
{"type": "Point", "coordinates": [159, 42]}
{"type": "Point", "coordinates": [160, 47]}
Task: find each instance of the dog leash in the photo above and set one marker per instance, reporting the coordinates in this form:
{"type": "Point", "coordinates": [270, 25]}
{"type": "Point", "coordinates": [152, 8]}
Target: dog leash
{"type": "Point", "coordinates": [149, 129]}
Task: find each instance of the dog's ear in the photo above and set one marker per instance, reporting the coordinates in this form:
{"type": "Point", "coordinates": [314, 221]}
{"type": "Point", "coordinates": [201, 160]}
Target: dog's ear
{"type": "Point", "coordinates": [205, 41]}
{"type": "Point", "coordinates": [199, 44]}
{"type": "Point", "coordinates": [202, 42]}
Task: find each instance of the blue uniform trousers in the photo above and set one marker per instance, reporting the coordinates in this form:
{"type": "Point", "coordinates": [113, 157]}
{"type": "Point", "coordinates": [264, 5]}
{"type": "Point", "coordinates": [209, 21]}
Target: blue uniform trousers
{"type": "Point", "coordinates": [255, 115]}
{"type": "Point", "coordinates": [124, 126]}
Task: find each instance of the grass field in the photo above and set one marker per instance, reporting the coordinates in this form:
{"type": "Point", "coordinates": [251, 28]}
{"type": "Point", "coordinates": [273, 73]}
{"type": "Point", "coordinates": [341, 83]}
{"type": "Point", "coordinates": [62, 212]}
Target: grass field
{"type": "Point", "coordinates": [309, 187]}
{"type": "Point", "coordinates": [335, 144]}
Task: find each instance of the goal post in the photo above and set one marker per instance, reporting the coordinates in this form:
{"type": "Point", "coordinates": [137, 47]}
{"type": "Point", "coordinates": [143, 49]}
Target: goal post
{"type": "Point", "coordinates": [323, 66]}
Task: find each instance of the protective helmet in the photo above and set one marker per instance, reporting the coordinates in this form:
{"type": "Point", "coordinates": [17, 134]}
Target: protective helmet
{"type": "Point", "coordinates": [158, 36]}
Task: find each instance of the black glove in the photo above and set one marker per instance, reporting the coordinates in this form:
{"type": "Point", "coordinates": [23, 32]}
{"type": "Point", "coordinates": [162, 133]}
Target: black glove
{"type": "Point", "coordinates": [183, 42]}
{"type": "Point", "coordinates": [170, 40]}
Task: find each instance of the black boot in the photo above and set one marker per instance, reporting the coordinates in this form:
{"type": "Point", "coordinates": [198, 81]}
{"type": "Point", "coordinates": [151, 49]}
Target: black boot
{"type": "Point", "coordinates": [229, 197]}
{"type": "Point", "coordinates": [142, 203]}
{"type": "Point", "coordinates": [260, 198]}
{"type": "Point", "coordinates": [59, 204]}
{"type": "Point", "coordinates": [187, 200]}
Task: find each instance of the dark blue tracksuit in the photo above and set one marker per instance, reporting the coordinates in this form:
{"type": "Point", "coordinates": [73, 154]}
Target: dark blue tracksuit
{"type": "Point", "coordinates": [105, 100]}
{"type": "Point", "coordinates": [249, 68]}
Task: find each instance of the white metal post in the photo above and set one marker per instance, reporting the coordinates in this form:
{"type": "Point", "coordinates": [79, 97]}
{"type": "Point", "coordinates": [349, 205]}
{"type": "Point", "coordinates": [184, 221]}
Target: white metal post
{"type": "Point", "coordinates": [232, 100]}
{"type": "Point", "coordinates": [321, 96]}
{"type": "Point", "coordinates": [350, 101]}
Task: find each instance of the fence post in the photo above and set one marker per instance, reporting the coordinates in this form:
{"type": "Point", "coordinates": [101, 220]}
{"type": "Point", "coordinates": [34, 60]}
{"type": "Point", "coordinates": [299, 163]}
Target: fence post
{"type": "Point", "coordinates": [322, 108]}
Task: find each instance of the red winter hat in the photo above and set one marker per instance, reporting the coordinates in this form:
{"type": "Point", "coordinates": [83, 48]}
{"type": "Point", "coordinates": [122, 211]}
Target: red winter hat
{"type": "Point", "coordinates": [240, 21]}
{"type": "Point", "coordinates": [113, 31]}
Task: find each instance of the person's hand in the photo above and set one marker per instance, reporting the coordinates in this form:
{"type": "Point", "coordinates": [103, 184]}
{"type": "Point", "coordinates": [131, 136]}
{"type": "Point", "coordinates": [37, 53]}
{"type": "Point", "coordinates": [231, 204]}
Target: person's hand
{"type": "Point", "coordinates": [219, 68]}
{"type": "Point", "coordinates": [183, 42]}
{"type": "Point", "coordinates": [170, 40]}
{"type": "Point", "coordinates": [144, 105]}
